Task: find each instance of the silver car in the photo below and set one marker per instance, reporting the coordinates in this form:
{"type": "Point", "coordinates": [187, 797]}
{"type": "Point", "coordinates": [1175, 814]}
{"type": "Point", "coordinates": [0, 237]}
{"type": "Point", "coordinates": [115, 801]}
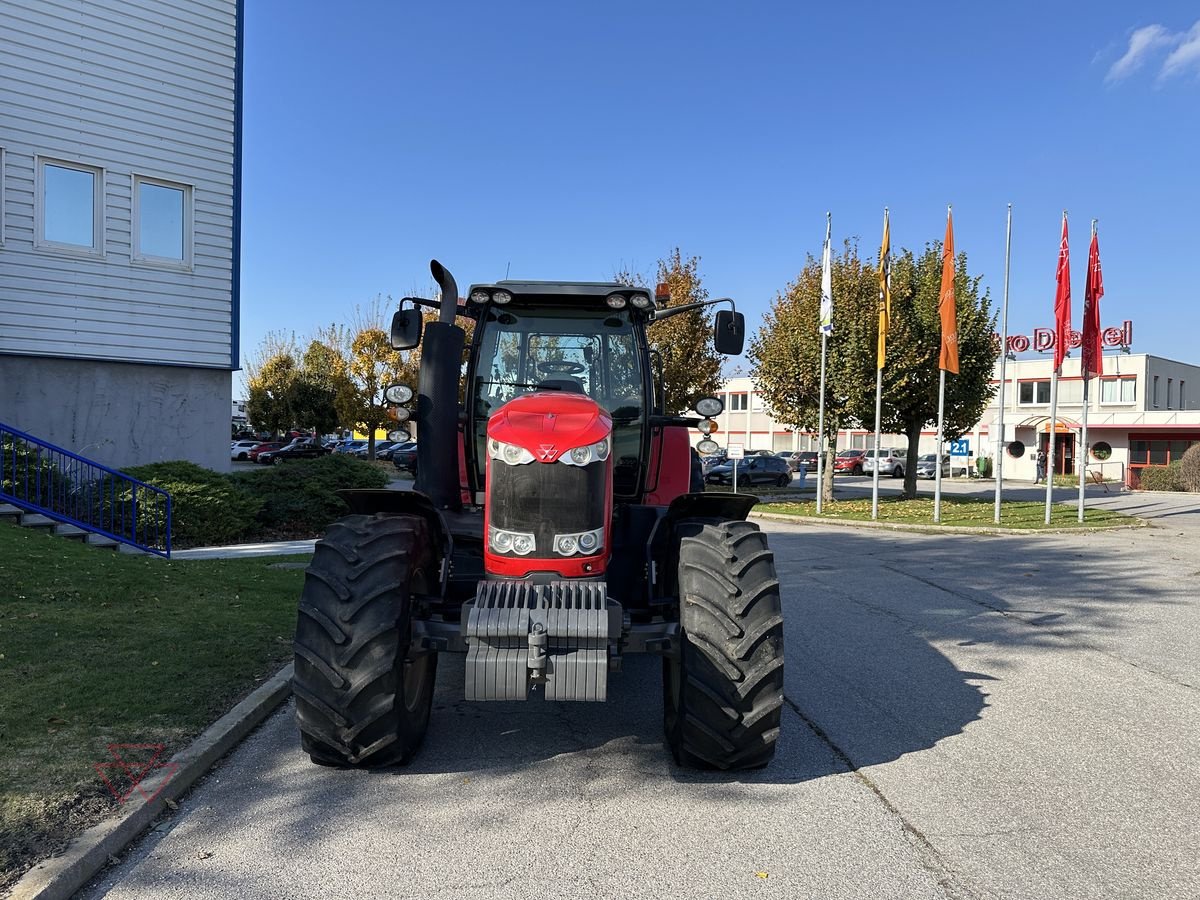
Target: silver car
{"type": "Point", "coordinates": [891, 461]}
{"type": "Point", "coordinates": [926, 468]}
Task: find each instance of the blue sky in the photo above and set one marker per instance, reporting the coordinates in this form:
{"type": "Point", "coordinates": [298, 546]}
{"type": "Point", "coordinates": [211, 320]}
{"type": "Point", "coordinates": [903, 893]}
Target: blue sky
{"type": "Point", "coordinates": [569, 140]}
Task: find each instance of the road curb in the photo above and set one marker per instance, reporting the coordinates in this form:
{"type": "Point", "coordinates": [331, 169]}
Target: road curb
{"type": "Point", "coordinates": [61, 876]}
{"type": "Point", "coordinates": [944, 529]}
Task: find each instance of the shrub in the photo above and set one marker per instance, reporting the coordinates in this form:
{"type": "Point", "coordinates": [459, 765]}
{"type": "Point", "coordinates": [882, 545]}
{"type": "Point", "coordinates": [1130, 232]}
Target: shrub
{"type": "Point", "coordinates": [1161, 478]}
{"type": "Point", "coordinates": [207, 507]}
{"type": "Point", "coordinates": [302, 495]}
{"type": "Point", "coordinates": [1189, 468]}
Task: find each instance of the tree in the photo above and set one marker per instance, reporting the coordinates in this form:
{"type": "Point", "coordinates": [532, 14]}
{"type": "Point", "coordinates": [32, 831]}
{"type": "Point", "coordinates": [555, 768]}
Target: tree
{"type": "Point", "coordinates": [911, 376]}
{"type": "Point", "coordinates": [691, 365]}
{"type": "Point", "coordinates": [786, 351]}
{"type": "Point", "coordinates": [270, 379]}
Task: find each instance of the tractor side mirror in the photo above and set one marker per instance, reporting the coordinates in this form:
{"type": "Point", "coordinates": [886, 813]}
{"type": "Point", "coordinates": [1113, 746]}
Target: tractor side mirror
{"type": "Point", "coordinates": [406, 329]}
{"type": "Point", "coordinates": [729, 335]}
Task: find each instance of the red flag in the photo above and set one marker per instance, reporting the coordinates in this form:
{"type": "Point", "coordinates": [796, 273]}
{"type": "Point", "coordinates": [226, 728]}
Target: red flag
{"type": "Point", "coordinates": [1062, 301]}
{"type": "Point", "coordinates": [1093, 357]}
{"type": "Point", "coordinates": [949, 356]}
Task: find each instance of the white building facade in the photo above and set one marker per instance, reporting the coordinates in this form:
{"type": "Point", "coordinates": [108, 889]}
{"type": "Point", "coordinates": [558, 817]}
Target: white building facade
{"type": "Point", "coordinates": [1144, 410]}
{"type": "Point", "coordinates": [119, 212]}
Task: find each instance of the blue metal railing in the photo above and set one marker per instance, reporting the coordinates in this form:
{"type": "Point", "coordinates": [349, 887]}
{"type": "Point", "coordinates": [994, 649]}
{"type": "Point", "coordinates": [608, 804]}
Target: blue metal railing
{"type": "Point", "coordinates": [42, 478]}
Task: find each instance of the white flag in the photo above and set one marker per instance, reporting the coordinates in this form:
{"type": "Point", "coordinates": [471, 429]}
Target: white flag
{"type": "Point", "coordinates": [827, 284]}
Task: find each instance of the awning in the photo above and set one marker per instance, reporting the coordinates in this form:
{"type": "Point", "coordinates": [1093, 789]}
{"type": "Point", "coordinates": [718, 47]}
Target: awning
{"type": "Point", "coordinates": [1042, 423]}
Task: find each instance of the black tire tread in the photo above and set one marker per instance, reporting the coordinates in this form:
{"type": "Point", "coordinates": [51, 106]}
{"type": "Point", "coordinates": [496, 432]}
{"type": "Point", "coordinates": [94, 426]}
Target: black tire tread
{"type": "Point", "coordinates": [352, 637]}
{"type": "Point", "coordinates": [730, 671]}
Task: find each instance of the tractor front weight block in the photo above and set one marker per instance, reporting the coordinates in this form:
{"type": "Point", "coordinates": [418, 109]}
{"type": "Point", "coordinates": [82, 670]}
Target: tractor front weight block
{"type": "Point", "coordinates": [550, 639]}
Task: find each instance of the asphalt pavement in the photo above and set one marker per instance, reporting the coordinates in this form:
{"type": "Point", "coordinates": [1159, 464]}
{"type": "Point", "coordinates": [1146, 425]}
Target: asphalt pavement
{"type": "Point", "coordinates": [968, 716]}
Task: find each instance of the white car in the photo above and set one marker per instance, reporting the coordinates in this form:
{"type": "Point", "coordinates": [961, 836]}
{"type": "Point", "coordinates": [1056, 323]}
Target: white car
{"type": "Point", "coordinates": [891, 461]}
{"type": "Point", "coordinates": [241, 449]}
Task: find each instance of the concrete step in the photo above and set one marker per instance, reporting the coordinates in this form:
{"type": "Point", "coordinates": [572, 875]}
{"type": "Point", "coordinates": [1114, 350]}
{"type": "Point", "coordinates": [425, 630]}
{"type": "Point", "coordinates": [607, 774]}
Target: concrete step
{"type": "Point", "coordinates": [8, 511]}
{"type": "Point", "coordinates": [99, 540]}
{"type": "Point", "coordinates": [71, 532]}
{"type": "Point", "coordinates": [37, 520]}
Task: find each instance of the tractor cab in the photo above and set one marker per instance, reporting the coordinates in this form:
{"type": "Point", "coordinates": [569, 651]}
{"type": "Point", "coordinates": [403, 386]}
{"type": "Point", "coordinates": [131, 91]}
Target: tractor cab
{"type": "Point", "coordinates": [564, 339]}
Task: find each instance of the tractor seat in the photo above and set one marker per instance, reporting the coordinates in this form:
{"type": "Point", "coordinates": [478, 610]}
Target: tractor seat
{"type": "Point", "coordinates": [571, 385]}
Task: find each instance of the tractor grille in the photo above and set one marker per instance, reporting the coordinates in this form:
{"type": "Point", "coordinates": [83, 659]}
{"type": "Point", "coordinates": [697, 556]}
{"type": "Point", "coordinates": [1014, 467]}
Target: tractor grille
{"type": "Point", "coordinates": [547, 499]}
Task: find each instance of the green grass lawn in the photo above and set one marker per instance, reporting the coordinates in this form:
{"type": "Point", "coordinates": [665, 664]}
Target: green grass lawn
{"type": "Point", "coordinates": [99, 648]}
{"type": "Point", "coordinates": [957, 511]}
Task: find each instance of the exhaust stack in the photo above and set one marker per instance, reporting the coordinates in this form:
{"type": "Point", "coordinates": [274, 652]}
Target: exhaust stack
{"type": "Point", "coordinates": [437, 399]}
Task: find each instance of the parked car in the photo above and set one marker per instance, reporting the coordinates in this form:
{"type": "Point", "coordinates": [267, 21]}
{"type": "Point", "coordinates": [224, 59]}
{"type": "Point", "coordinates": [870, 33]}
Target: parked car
{"type": "Point", "coordinates": [849, 462]}
{"type": "Point", "coordinates": [241, 449]}
{"type": "Point", "coordinates": [890, 460]}
{"type": "Point", "coordinates": [405, 456]}
{"type": "Point", "coordinates": [304, 448]}
{"type": "Point", "coordinates": [349, 446]}
{"type": "Point", "coordinates": [926, 467]}
{"type": "Point", "coordinates": [753, 470]}
{"type": "Point", "coordinates": [264, 447]}
{"type": "Point", "coordinates": [803, 459]}
{"type": "Point", "coordinates": [712, 460]}
{"type": "Point", "coordinates": [380, 448]}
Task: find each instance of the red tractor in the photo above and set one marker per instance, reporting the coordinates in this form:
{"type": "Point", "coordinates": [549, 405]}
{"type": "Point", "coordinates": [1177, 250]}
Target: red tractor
{"type": "Point", "coordinates": [551, 531]}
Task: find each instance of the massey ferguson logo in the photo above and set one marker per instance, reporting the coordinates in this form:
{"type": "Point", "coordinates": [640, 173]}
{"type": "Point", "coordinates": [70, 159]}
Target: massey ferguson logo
{"type": "Point", "coordinates": [547, 452]}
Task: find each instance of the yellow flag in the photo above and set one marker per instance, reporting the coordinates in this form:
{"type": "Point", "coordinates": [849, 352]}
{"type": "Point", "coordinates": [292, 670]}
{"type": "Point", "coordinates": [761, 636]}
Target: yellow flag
{"type": "Point", "coordinates": [885, 290]}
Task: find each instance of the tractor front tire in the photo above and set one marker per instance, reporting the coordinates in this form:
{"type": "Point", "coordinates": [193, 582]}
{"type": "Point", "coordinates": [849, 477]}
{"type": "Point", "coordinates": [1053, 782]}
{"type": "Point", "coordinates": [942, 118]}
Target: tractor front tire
{"type": "Point", "coordinates": [363, 694]}
{"type": "Point", "coordinates": [723, 691]}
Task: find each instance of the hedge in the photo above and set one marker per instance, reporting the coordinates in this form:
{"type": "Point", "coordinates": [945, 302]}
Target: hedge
{"type": "Point", "coordinates": [206, 506]}
{"type": "Point", "coordinates": [302, 495]}
{"type": "Point", "coordinates": [1161, 478]}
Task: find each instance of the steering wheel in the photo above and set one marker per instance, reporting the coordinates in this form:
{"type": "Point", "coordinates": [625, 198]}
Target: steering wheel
{"type": "Point", "coordinates": [560, 367]}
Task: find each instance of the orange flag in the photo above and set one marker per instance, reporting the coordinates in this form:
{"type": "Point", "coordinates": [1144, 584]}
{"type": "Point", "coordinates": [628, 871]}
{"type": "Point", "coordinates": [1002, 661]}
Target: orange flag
{"type": "Point", "coordinates": [946, 306]}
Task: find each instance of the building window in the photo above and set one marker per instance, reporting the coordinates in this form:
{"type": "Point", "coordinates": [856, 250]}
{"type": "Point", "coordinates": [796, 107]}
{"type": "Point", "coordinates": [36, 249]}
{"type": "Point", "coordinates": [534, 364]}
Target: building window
{"type": "Point", "coordinates": [1170, 384]}
{"type": "Point", "coordinates": [1118, 390]}
{"type": "Point", "coordinates": [1182, 402]}
{"type": "Point", "coordinates": [1157, 452]}
{"type": "Point", "coordinates": [737, 402]}
{"type": "Point", "coordinates": [757, 402]}
{"type": "Point", "coordinates": [70, 207]}
{"type": "Point", "coordinates": [162, 221]}
{"type": "Point", "coordinates": [1156, 392]}
{"type": "Point", "coordinates": [1033, 393]}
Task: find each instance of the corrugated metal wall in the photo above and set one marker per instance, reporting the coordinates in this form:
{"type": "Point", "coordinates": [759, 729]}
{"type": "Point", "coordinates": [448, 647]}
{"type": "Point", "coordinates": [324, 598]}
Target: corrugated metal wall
{"type": "Point", "coordinates": [134, 87]}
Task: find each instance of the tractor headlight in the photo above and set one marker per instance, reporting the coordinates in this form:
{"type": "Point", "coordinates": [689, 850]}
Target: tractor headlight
{"type": "Point", "coordinates": [641, 301]}
{"type": "Point", "coordinates": [502, 297]}
{"type": "Point", "coordinates": [521, 543]}
{"type": "Point", "coordinates": [587, 454]}
{"type": "Point", "coordinates": [511, 454]}
{"type": "Point", "coordinates": [615, 301]}
{"type": "Point", "coordinates": [479, 296]}
{"type": "Point", "coordinates": [585, 542]}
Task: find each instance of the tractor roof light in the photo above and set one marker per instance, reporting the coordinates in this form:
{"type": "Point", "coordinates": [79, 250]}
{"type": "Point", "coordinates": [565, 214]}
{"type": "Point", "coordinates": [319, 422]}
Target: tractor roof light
{"type": "Point", "coordinates": [479, 296]}
{"type": "Point", "coordinates": [399, 413]}
{"type": "Point", "coordinates": [709, 407]}
{"type": "Point", "coordinates": [502, 297]}
{"type": "Point", "coordinates": [707, 427]}
{"type": "Point", "coordinates": [662, 293]}
{"type": "Point", "coordinates": [641, 301]}
{"type": "Point", "coordinates": [400, 436]}
{"type": "Point", "coordinates": [615, 301]}
{"type": "Point", "coordinates": [707, 447]}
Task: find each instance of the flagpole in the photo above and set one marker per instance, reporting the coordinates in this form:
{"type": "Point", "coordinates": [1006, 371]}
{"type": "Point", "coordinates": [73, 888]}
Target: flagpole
{"type": "Point", "coordinates": [1083, 370]}
{"type": "Point", "coordinates": [1050, 457]}
{"type": "Point", "coordinates": [1000, 442]}
{"type": "Point", "coordinates": [937, 466]}
{"type": "Point", "coordinates": [884, 323]}
{"type": "Point", "coordinates": [824, 347]}
{"type": "Point", "coordinates": [878, 414]}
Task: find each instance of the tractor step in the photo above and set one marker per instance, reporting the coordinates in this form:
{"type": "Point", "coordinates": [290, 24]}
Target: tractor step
{"type": "Point", "coordinates": [550, 639]}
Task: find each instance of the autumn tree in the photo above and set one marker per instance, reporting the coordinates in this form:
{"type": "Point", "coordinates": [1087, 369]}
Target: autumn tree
{"type": "Point", "coordinates": [691, 365]}
{"type": "Point", "coordinates": [786, 351]}
{"type": "Point", "coordinates": [911, 376]}
{"type": "Point", "coordinates": [322, 376]}
{"type": "Point", "coordinates": [270, 377]}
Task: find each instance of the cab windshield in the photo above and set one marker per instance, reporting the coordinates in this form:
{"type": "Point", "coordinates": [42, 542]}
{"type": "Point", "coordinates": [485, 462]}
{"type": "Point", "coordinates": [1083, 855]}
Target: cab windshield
{"type": "Point", "coordinates": [584, 351]}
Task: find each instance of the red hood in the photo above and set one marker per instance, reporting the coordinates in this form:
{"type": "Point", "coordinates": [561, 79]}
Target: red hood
{"type": "Point", "coordinates": [549, 423]}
